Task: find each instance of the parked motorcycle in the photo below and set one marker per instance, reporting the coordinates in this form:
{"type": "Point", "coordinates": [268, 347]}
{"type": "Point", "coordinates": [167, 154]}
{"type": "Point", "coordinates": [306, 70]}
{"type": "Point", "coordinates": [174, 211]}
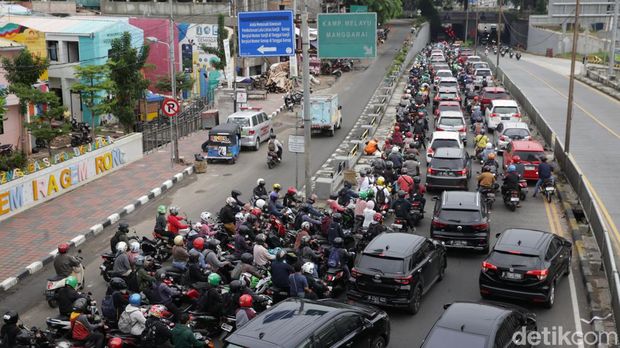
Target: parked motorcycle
{"type": "Point", "coordinates": [518, 55]}
{"type": "Point", "coordinates": [6, 149]}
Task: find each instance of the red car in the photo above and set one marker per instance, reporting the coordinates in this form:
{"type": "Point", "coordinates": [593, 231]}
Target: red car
{"type": "Point", "coordinates": [448, 106]}
{"type": "Point", "coordinates": [446, 94]}
{"type": "Point", "coordinates": [492, 93]}
{"type": "Point", "coordinates": [530, 152]}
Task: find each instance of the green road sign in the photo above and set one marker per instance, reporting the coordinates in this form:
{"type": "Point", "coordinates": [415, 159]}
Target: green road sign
{"type": "Point", "coordinates": [358, 8]}
{"type": "Point", "coordinates": [347, 35]}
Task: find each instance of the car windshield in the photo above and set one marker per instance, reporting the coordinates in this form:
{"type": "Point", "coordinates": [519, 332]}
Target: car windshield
{"type": "Point", "coordinates": [449, 108]}
{"type": "Point", "coordinates": [444, 74]}
{"type": "Point", "coordinates": [517, 132]}
{"type": "Point", "coordinates": [460, 216]}
{"type": "Point", "coordinates": [447, 163]}
{"type": "Point", "coordinates": [447, 95]}
{"type": "Point", "coordinates": [447, 84]}
{"type": "Point", "coordinates": [494, 95]}
{"type": "Point", "coordinates": [529, 156]}
{"type": "Point", "coordinates": [240, 121]}
{"type": "Point", "coordinates": [451, 121]}
{"type": "Point", "coordinates": [442, 337]}
{"type": "Point", "coordinates": [444, 143]}
{"type": "Point", "coordinates": [381, 264]}
{"type": "Point", "coordinates": [505, 110]}
{"type": "Point", "coordinates": [512, 259]}
{"type": "Point", "coordinates": [483, 72]}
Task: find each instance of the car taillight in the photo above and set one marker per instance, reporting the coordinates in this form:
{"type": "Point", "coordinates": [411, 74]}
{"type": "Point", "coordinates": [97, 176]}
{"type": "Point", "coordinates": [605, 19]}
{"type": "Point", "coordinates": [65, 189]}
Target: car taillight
{"type": "Point", "coordinates": [251, 132]}
{"type": "Point", "coordinates": [404, 280]}
{"type": "Point", "coordinates": [438, 224]}
{"type": "Point", "coordinates": [480, 227]}
{"type": "Point", "coordinates": [461, 172]}
{"type": "Point", "coordinates": [437, 97]}
{"type": "Point", "coordinates": [541, 274]}
{"type": "Point", "coordinates": [430, 151]}
{"type": "Point", "coordinates": [493, 115]}
{"type": "Point", "coordinates": [463, 129]}
{"type": "Point", "coordinates": [355, 273]}
{"type": "Point", "coordinates": [486, 266]}
{"type": "Point", "coordinates": [516, 115]}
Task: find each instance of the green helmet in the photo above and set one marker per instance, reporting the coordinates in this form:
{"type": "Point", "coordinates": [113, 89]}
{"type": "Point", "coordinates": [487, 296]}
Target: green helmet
{"type": "Point", "coordinates": [214, 279]}
{"type": "Point", "coordinates": [363, 195]}
{"type": "Point", "coordinates": [161, 209]}
{"type": "Point", "coordinates": [71, 281]}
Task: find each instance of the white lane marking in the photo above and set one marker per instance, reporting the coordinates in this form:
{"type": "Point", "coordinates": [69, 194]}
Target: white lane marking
{"type": "Point", "coordinates": [575, 305]}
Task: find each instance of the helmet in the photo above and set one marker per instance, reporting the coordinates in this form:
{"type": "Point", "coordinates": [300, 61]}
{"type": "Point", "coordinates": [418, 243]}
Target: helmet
{"type": "Point", "coordinates": [178, 240]}
{"type": "Point", "coordinates": [482, 131]}
{"type": "Point", "coordinates": [308, 267]}
{"type": "Point", "coordinates": [337, 217]}
{"type": "Point", "coordinates": [305, 226]}
{"type": "Point", "coordinates": [389, 164]}
{"type": "Point", "coordinates": [160, 274]}
{"type": "Point", "coordinates": [121, 247]}
{"type": "Point", "coordinates": [123, 226]}
{"type": "Point", "coordinates": [231, 201]}
{"type": "Point", "coordinates": [516, 159]}
{"type": "Point", "coordinates": [281, 254]}
{"type": "Point", "coordinates": [247, 258]}
{"type": "Point", "coordinates": [80, 305]}
{"type": "Point", "coordinates": [115, 342]}
{"type": "Point", "coordinates": [214, 279]}
{"type": "Point", "coordinates": [260, 181]}
{"type": "Point", "coordinates": [512, 168]}
{"type": "Point", "coordinates": [396, 129]}
{"type": "Point", "coordinates": [140, 261]}
{"type": "Point", "coordinates": [395, 149]}
{"type": "Point", "coordinates": [476, 98]}
{"type": "Point", "coordinates": [380, 181]}
{"type": "Point", "coordinates": [491, 156]}
{"type": "Point", "coordinates": [255, 212]}
{"type": "Point", "coordinates": [333, 196]}
{"type": "Point", "coordinates": [135, 299]}
{"type": "Point", "coordinates": [489, 146]}
{"type": "Point", "coordinates": [260, 203]}
{"type": "Point", "coordinates": [291, 191]}
{"type": "Point", "coordinates": [235, 285]}
{"type": "Point", "coordinates": [213, 244]}
{"type": "Point", "coordinates": [161, 209]}
{"type": "Point", "coordinates": [261, 238]}
{"type": "Point", "coordinates": [272, 135]}
{"type": "Point", "coordinates": [10, 317]}
{"type": "Point", "coordinates": [240, 217]}
{"type": "Point", "coordinates": [135, 247]}
{"type": "Point", "coordinates": [117, 283]}
{"type": "Point", "coordinates": [416, 180]}
{"type": "Point", "coordinates": [543, 158]}
{"type": "Point", "coordinates": [277, 187]}
{"type": "Point", "coordinates": [347, 185]}
{"type": "Point", "coordinates": [486, 169]}
{"type": "Point", "coordinates": [205, 216]}
{"type": "Point", "coordinates": [235, 193]}
{"type": "Point", "coordinates": [63, 248]}
{"type": "Point", "coordinates": [244, 229]}
{"type": "Point", "coordinates": [245, 301]}
{"type": "Point", "coordinates": [363, 195]}
{"type": "Point", "coordinates": [158, 311]}
{"type": "Point", "coordinates": [378, 217]}
{"type": "Point", "coordinates": [199, 243]}
{"type": "Point", "coordinates": [409, 135]}
{"type": "Point", "coordinates": [174, 210]}
{"type": "Point", "coordinates": [71, 281]}
{"type": "Point", "coordinates": [312, 199]}
{"type": "Point", "coordinates": [401, 193]}
{"type": "Point", "coordinates": [338, 242]}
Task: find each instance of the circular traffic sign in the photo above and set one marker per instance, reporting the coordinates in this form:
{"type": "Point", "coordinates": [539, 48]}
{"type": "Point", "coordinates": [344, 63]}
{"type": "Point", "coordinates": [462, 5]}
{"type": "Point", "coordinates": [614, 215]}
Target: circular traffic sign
{"type": "Point", "coordinates": [170, 107]}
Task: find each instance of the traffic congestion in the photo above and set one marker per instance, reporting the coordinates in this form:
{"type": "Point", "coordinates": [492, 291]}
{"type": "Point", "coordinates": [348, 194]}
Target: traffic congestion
{"type": "Point", "coordinates": [272, 268]}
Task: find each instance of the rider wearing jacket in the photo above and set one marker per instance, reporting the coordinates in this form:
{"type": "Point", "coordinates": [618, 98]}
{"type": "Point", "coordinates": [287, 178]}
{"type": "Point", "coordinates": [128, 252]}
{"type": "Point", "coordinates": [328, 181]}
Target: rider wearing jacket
{"type": "Point", "coordinates": [260, 190]}
{"type": "Point", "coordinates": [511, 180]}
{"type": "Point", "coordinates": [64, 264]}
{"type": "Point", "coordinates": [174, 221]}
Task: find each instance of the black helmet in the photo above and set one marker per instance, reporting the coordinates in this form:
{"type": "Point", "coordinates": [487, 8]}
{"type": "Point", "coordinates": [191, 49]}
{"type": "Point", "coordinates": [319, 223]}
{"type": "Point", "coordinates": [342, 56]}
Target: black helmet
{"type": "Point", "coordinates": [389, 164]}
{"type": "Point", "coordinates": [212, 244]}
{"type": "Point", "coordinates": [235, 285]}
{"type": "Point", "coordinates": [10, 317]}
{"type": "Point", "coordinates": [250, 219]}
{"type": "Point", "coordinates": [416, 179]}
{"type": "Point", "coordinates": [247, 258]}
{"type": "Point", "coordinates": [235, 193]}
{"type": "Point", "coordinates": [401, 193]}
{"type": "Point", "coordinates": [281, 254]}
{"type": "Point", "coordinates": [337, 217]}
{"type": "Point", "coordinates": [244, 229]}
{"type": "Point", "coordinates": [24, 337]}
{"type": "Point", "coordinates": [123, 226]}
{"type": "Point", "coordinates": [160, 274]}
{"type": "Point", "coordinates": [117, 283]}
{"type": "Point", "coordinates": [338, 242]}
{"type": "Point", "coordinates": [347, 185]}
{"type": "Point", "coordinates": [333, 196]}
{"type": "Point", "coordinates": [80, 305]}
{"type": "Point", "coordinates": [261, 238]}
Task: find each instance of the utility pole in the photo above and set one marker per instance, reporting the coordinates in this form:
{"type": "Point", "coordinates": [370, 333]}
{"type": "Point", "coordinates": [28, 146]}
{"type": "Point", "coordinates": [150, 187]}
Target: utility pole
{"type": "Point", "coordinates": [476, 35]}
{"type": "Point", "coordinates": [612, 53]}
{"type": "Point", "coordinates": [174, 135]}
{"type": "Point", "coordinates": [233, 56]}
{"type": "Point", "coordinates": [571, 81]}
{"type": "Point", "coordinates": [499, 29]}
{"type": "Point", "coordinates": [305, 43]}
{"type": "Point", "coordinates": [466, 19]}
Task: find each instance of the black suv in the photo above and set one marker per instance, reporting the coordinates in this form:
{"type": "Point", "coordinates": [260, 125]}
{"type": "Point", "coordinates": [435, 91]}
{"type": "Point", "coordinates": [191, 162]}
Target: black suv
{"type": "Point", "coordinates": [449, 168]}
{"type": "Point", "coordinates": [396, 269]}
{"type": "Point", "coordinates": [306, 323]}
{"type": "Point", "coordinates": [461, 220]}
{"type": "Point", "coordinates": [525, 264]}
{"type": "Point", "coordinates": [484, 325]}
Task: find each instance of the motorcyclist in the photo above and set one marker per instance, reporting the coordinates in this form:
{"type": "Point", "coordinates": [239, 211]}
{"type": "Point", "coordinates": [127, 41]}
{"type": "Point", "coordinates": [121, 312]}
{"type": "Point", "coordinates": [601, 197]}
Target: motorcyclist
{"type": "Point", "coordinates": [417, 191]}
{"type": "Point", "coordinates": [298, 285]}
{"type": "Point", "coordinates": [278, 147]}
{"type": "Point", "coordinates": [174, 221]}
{"type": "Point", "coordinates": [259, 190]}
{"type": "Point", "coordinates": [280, 270]}
{"type": "Point", "coordinates": [307, 254]}
{"type": "Point", "coordinates": [134, 252]}
{"type": "Point", "coordinates": [227, 215]}
{"type": "Point", "coordinates": [388, 173]}
{"type": "Point", "coordinates": [67, 295]}
{"type": "Point", "coordinates": [182, 335]}
{"type": "Point", "coordinates": [335, 229]}
{"type": "Point", "coordinates": [235, 194]}
{"type": "Point", "coordinates": [369, 212]}
{"type": "Point", "coordinates": [381, 193]}
{"type": "Point", "coordinates": [491, 162]}
{"type": "Point", "coordinates": [132, 320]}
{"type": "Point", "coordinates": [122, 266]}
{"type": "Point", "coordinates": [405, 182]}
{"type": "Point", "coordinates": [161, 332]}
{"type": "Point", "coordinates": [211, 301]}
{"type": "Point", "coordinates": [163, 294]}
{"type": "Point", "coordinates": [245, 266]}
{"type": "Point", "coordinates": [198, 246]}
{"type": "Point", "coordinates": [195, 272]}
{"type": "Point", "coordinates": [143, 278]}
{"type": "Point", "coordinates": [245, 313]}
{"type": "Point", "coordinates": [511, 181]}
{"type": "Point", "coordinates": [161, 224]}
{"type": "Point", "coordinates": [402, 207]}
{"type": "Point", "coordinates": [343, 257]}
{"type": "Point", "coordinates": [396, 158]}
{"type": "Point", "coordinates": [290, 198]}
{"type": "Point", "coordinates": [273, 206]}
{"type": "Point", "coordinates": [64, 264]}
{"type": "Point", "coordinates": [411, 164]}
{"type": "Point", "coordinates": [333, 205]}
{"type": "Point", "coordinates": [376, 226]}
{"type": "Point", "coordinates": [119, 236]}
{"type": "Point", "coordinates": [252, 223]}
{"type": "Point", "coordinates": [241, 241]}
{"type": "Point", "coordinates": [488, 149]}
{"type": "Point", "coordinates": [261, 254]}
{"type": "Point", "coordinates": [304, 216]}
{"type": "Point", "coordinates": [310, 204]}
{"type": "Point", "coordinates": [481, 141]}
{"type": "Point", "coordinates": [82, 329]}
{"type": "Point", "coordinates": [10, 329]}
{"type": "Point", "coordinates": [371, 147]}
{"type": "Point", "coordinates": [211, 256]}
{"type": "Point", "coordinates": [363, 182]}
{"type": "Point", "coordinates": [486, 179]}
{"type": "Point", "coordinates": [319, 289]}
{"type": "Point", "coordinates": [545, 172]}
{"type": "Point", "coordinates": [346, 194]}
{"type": "Point", "coordinates": [180, 255]}
{"type": "Point", "coordinates": [303, 232]}
{"type": "Point", "coordinates": [397, 136]}
{"type": "Point", "coordinates": [516, 160]}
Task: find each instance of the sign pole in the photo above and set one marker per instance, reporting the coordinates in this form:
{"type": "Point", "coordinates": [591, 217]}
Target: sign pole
{"type": "Point", "coordinates": [174, 153]}
{"type": "Point", "coordinates": [571, 81]}
{"type": "Point", "coordinates": [234, 58]}
{"type": "Point", "coordinates": [305, 43]}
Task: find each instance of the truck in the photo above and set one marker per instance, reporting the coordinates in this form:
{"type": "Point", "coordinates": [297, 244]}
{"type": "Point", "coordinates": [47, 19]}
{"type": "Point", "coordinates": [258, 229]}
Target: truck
{"type": "Point", "coordinates": [325, 113]}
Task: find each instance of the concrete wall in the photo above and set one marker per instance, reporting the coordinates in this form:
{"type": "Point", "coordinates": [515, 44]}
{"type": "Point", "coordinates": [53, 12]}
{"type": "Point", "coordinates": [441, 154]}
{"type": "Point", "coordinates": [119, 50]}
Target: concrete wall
{"type": "Point", "coordinates": [54, 6]}
{"type": "Point", "coordinates": [539, 40]}
{"type": "Point", "coordinates": [162, 9]}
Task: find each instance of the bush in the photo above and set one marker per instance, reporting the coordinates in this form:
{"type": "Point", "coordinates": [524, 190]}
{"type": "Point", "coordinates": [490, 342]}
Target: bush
{"type": "Point", "coordinates": [16, 160]}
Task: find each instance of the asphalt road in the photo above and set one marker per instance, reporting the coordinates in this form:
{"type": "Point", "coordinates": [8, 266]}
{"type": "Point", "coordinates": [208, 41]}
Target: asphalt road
{"type": "Point", "coordinates": [207, 192]}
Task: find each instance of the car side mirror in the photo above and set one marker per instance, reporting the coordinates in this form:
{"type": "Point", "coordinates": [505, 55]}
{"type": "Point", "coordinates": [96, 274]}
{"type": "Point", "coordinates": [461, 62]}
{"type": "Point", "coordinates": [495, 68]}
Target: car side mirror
{"type": "Point", "coordinates": [339, 107]}
{"type": "Point", "coordinates": [435, 198]}
{"type": "Point", "coordinates": [498, 234]}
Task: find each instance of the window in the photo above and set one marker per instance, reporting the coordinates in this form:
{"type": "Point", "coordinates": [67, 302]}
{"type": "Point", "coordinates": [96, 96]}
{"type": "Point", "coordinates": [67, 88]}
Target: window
{"type": "Point", "coordinates": [384, 264]}
{"type": "Point", "coordinates": [52, 50]}
{"type": "Point", "coordinates": [254, 121]}
{"type": "Point", "coordinates": [261, 119]}
{"type": "Point", "coordinates": [511, 324]}
{"type": "Point", "coordinates": [554, 247]}
{"type": "Point", "coordinates": [73, 52]}
{"type": "Point", "coordinates": [327, 336]}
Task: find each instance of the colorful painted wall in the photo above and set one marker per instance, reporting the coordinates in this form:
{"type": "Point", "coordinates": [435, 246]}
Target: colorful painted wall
{"type": "Point", "coordinates": [34, 40]}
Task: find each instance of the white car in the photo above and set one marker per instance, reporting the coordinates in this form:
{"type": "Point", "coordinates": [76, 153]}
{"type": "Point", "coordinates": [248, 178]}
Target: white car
{"type": "Point", "coordinates": [480, 65]}
{"type": "Point", "coordinates": [256, 127]}
{"type": "Point", "coordinates": [508, 131]}
{"type": "Point", "coordinates": [501, 110]}
{"type": "Point", "coordinates": [473, 59]}
{"type": "Point", "coordinates": [480, 75]}
{"type": "Point", "coordinates": [452, 121]}
{"type": "Point", "coordinates": [442, 139]}
{"type": "Point", "coordinates": [448, 82]}
{"type": "Point", "coordinates": [438, 57]}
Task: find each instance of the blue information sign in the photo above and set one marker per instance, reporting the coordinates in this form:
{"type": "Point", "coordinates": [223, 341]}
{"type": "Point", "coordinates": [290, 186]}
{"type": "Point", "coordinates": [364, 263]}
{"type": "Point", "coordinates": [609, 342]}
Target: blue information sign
{"type": "Point", "coordinates": [266, 34]}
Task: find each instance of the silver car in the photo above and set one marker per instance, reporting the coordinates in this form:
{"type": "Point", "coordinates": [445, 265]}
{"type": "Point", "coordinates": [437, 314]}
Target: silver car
{"type": "Point", "coordinates": [508, 131]}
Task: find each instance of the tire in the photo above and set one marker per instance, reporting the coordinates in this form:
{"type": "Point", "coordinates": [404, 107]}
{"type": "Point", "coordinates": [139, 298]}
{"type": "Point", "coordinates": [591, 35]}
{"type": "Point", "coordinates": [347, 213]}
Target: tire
{"type": "Point", "coordinates": [442, 270]}
{"type": "Point", "coordinates": [53, 303]}
{"type": "Point", "coordinates": [416, 299]}
{"type": "Point", "coordinates": [332, 132]}
{"type": "Point", "coordinates": [257, 146]}
{"type": "Point", "coordinates": [549, 197]}
{"type": "Point", "coordinates": [106, 276]}
{"type": "Point", "coordinates": [269, 165]}
{"type": "Point", "coordinates": [550, 297]}
{"type": "Point", "coordinates": [512, 207]}
{"type": "Point", "coordinates": [378, 342]}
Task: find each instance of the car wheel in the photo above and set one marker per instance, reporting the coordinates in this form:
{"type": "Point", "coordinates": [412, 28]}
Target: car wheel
{"type": "Point", "coordinates": [442, 269]}
{"type": "Point", "coordinates": [551, 296]}
{"type": "Point", "coordinates": [331, 132]}
{"type": "Point", "coordinates": [414, 305]}
{"type": "Point", "coordinates": [257, 146]}
{"type": "Point", "coordinates": [378, 342]}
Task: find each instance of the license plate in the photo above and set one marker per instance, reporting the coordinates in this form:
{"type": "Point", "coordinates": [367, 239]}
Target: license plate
{"type": "Point", "coordinates": [514, 199]}
{"type": "Point", "coordinates": [226, 327]}
{"type": "Point", "coordinates": [549, 188]}
{"type": "Point", "coordinates": [513, 276]}
{"type": "Point", "coordinates": [505, 118]}
{"type": "Point", "coordinates": [530, 167]}
{"type": "Point", "coordinates": [459, 243]}
{"type": "Point", "coordinates": [376, 299]}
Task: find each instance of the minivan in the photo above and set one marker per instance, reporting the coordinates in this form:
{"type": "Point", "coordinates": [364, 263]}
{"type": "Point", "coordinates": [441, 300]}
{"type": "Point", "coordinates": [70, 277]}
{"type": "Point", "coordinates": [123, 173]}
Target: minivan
{"type": "Point", "coordinates": [501, 110]}
{"type": "Point", "coordinates": [255, 127]}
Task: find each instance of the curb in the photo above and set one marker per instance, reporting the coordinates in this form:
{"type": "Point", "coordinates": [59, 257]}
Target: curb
{"type": "Point", "coordinates": [95, 230]}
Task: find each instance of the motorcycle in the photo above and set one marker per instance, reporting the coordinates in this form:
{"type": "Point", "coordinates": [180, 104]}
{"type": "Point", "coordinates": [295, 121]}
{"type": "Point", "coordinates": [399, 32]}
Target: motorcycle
{"type": "Point", "coordinates": [335, 280]}
{"type": "Point", "coordinates": [518, 56]}
{"type": "Point", "coordinates": [511, 199]}
{"type": "Point", "coordinates": [488, 194]}
{"type": "Point", "coordinates": [272, 159]}
{"type": "Point", "coordinates": [524, 189]}
{"type": "Point", "coordinates": [60, 326]}
{"type": "Point", "coordinates": [548, 189]}
{"type": "Point", "coordinates": [292, 98]}
{"type": "Point", "coordinates": [57, 282]}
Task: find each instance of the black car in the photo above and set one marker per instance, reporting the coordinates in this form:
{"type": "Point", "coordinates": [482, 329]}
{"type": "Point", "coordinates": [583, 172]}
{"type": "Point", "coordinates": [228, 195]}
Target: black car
{"type": "Point", "coordinates": [306, 323]}
{"type": "Point", "coordinates": [396, 269]}
{"type": "Point", "coordinates": [461, 220]}
{"type": "Point", "coordinates": [525, 264]}
{"type": "Point", "coordinates": [484, 325]}
{"type": "Point", "coordinates": [449, 168]}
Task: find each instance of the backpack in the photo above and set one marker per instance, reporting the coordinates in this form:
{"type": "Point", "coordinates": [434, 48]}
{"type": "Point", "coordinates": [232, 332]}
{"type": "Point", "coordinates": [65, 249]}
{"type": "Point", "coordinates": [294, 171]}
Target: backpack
{"type": "Point", "coordinates": [107, 308]}
{"type": "Point", "coordinates": [149, 335]}
{"type": "Point", "coordinates": [380, 197]}
{"type": "Point", "coordinates": [271, 146]}
{"type": "Point", "coordinates": [334, 258]}
{"type": "Point", "coordinates": [125, 323]}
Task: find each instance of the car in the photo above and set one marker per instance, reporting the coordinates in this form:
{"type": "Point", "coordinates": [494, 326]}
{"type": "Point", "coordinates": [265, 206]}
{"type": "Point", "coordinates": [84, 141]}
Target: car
{"type": "Point", "coordinates": [297, 322]}
{"type": "Point", "coordinates": [481, 325]}
{"type": "Point", "coordinates": [255, 125]}
{"type": "Point", "coordinates": [489, 94]}
{"type": "Point", "coordinates": [452, 121]}
{"type": "Point", "coordinates": [450, 168]}
{"type": "Point", "coordinates": [447, 106]}
{"type": "Point", "coordinates": [480, 65]}
{"type": "Point", "coordinates": [508, 131]}
{"type": "Point", "coordinates": [442, 139]}
{"type": "Point", "coordinates": [480, 75]}
{"type": "Point", "coordinates": [473, 59]}
{"type": "Point", "coordinates": [448, 82]}
{"type": "Point", "coordinates": [437, 57]}
{"type": "Point", "coordinates": [530, 152]}
{"type": "Point", "coordinates": [498, 108]}
{"type": "Point", "coordinates": [461, 220]}
{"type": "Point", "coordinates": [439, 66]}
{"type": "Point", "coordinates": [466, 52]}
{"type": "Point", "coordinates": [446, 93]}
{"type": "Point", "coordinates": [525, 264]}
{"type": "Point", "coordinates": [396, 270]}
{"type": "Point", "coordinates": [441, 73]}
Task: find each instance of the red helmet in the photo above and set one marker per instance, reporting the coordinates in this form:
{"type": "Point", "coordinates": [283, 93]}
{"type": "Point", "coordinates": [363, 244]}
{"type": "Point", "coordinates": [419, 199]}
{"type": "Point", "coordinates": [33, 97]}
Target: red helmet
{"type": "Point", "coordinates": [378, 217]}
{"type": "Point", "coordinates": [199, 243]}
{"type": "Point", "coordinates": [516, 159]}
{"type": "Point", "coordinates": [291, 190]}
{"type": "Point", "coordinates": [421, 114]}
{"type": "Point", "coordinates": [245, 301]}
{"type": "Point", "coordinates": [409, 135]}
{"type": "Point", "coordinates": [476, 98]}
{"type": "Point", "coordinates": [115, 342]}
{"type": "Point", "coordinates": [256, 212]}
{"type": "Point", "coordinates": [396, 128]}
{"type": "Point", "coordinates": [63, 248]}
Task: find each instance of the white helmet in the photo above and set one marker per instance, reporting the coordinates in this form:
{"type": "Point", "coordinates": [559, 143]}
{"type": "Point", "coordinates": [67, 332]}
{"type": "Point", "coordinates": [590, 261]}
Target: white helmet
{"type": "Point", "coordinates": [231, 201]}
{"type": "Point", "coordinates": [121, 246]}
{"type": "Point", "coordinates": [205, 216]}
{"type": "Point", "coordinates": [260, 203]}
{"type": "Point", "coordinates": [395, 149]}
{"type": "Point", "coordinates": [408, 91]}
{"type": "Point", "coordinates": [135, 247]}
{"type": "Point", "coordinates": [260, 181]}
{"type": "Point", "coordinates": [173, 210]}
{"type": "Point", "coordinates": [308, 268]}
{"type": "Point", "coordinates": [197, 226]}
{"type": "Point", "coordinates": [240, 217]}
{"type": "Point", "coordinates": [489, 146]}
{"type": "Point", "coordinates": [305, 225]}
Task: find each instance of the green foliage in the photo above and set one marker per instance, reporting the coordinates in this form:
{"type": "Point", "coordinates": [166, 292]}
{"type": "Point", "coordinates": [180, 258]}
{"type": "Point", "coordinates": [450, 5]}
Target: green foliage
{"type": "Point", "coordinates": [15, 160]}
{"type": "Point", "coordinates": [94, 87]}
{"type": "Point", "coordinates": [429, 12]}
{"type": "Point", "coordinates": [24, 68]}
{"type": "Point", "coordinates": [222, 34]}
{"type": "Point", "coordinates": [385, 9]}
{"type": "Point", "coordinates": [184, 81]}
{"type": "Point", "coordinates": [48, 130]}
{"type": "Point", "coordinates": [124, 65]}
{"type": "Point", "coordinates": [3, 93]}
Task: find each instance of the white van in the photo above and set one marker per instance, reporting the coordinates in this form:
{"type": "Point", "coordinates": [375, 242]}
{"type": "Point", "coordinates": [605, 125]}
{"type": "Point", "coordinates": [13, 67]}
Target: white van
{"type": "Point", "coordinates": [501, 110]}
{"type": "Point", "coordinates": [255, 127]}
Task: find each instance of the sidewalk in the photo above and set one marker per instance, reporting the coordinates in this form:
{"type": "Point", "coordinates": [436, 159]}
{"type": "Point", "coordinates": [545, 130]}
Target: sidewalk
{"type": "Point", "coordinates": [26, 239]}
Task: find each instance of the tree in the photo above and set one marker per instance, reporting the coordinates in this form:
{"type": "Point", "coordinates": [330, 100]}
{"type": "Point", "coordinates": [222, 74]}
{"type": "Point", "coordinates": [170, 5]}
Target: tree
{"type": "Point", "coordinates": [429, 12]}
{"type": "Point", "coordinates": [94, 87]}
{"type": "Point", "coordinates": [125, 64]}
{"type": "Point", "coordinates": [22, 73]}
{"type": "Point", "coordinates": [222, 34]}
{"type": "Point", "coordinates": [385, 9]}
{"type": "Point", "coordinates": [184, 81]}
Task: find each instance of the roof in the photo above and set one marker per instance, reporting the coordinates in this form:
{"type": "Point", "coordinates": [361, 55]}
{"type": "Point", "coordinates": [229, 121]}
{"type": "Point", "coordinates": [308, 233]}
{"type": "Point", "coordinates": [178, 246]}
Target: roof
{"type": "Point", "coordinates": [450, 113]}
{"type": "Point", "coordinates": [6, 45]}
{"type": "Point", "coordinates": [445, 135]}
{"type": "Point", "coordinates": [67, 25]}
{"type": "Point", "coordinates": [456, 199]}
{"type": "Point", "coordinates": [449, 102]}
{"type": "Point", "coordinates": [493, 89]}
{"type": "Point", "coordinates": [226, 128]}
{"type": "Point", "coordinates": [514, 124]}
{"type": "Point", "coordinates": [504, 102]}
{"type": "Point", "coordinates": [448, 152]}
{"type": "Point", "coordinates": [521, 240]}
{"type": "Point", "coordinates": [449, 79]}
{"type": "Point", "coordinates": [472, 318]}
{"type": "Point", "coordinates": [245, 113]}
{"type": "Point", "coordinates": [527, 145]}
{"type": "Point", "coordinates": [394, 244]}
